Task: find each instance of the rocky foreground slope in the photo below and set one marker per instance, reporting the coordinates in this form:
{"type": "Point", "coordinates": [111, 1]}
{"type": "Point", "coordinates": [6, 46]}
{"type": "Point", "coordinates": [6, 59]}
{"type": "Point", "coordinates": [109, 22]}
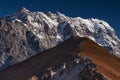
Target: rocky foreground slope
{"type": "Point", "coordinates": [24, 34]}
{"type": "Point", "coordinates": [65, 62]}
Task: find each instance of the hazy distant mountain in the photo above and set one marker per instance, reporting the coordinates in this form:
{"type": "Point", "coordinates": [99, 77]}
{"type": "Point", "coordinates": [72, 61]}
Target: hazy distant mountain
{"type": "Point", "coordinates": [24, 34]}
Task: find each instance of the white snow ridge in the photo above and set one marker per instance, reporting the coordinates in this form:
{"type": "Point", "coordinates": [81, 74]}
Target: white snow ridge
{"type": "Point", "coordinates": [60, 27]}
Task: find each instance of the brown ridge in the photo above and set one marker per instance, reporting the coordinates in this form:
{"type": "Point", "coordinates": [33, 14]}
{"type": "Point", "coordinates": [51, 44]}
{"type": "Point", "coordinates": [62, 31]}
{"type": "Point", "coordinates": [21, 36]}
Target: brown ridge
{"type": "Point", "coordinates": [108, 64]}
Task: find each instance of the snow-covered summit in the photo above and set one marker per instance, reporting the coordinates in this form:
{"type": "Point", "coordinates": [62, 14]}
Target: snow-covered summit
{"type": "Point", "coordinates": [23, 10]}
{"type": "Point", "coordinates": [60, 27]}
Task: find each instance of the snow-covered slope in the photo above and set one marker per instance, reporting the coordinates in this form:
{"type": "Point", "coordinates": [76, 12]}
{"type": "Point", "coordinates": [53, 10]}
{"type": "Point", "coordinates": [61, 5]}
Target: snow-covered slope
{"type": "Point", "coordinates": [59, 27]}
{"type": "Point", "coordinates": [26, 33]}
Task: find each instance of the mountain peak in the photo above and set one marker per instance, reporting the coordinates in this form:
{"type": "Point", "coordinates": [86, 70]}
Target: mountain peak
{"type": "Point", "coordinates": [23, 10]}
{"type": "Point", "coordinates": [59, 13]}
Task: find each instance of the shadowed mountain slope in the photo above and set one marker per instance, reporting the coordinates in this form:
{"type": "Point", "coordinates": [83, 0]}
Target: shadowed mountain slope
{"type": "Point", "coordinates": [108, 64]}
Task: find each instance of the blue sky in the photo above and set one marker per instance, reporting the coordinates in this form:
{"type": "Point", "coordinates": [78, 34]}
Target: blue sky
{"type": "Point", "coordinates": [108, 10]}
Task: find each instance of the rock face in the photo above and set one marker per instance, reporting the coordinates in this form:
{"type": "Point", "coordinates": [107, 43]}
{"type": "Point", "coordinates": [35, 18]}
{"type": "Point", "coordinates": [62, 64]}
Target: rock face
{"type": "Point", "coordinates": [79, 69]}
{"type": "Point", "coordinates": [26, 33]}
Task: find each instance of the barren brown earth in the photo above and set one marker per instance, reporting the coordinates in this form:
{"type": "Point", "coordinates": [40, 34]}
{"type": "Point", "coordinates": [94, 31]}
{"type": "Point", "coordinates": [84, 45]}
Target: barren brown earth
{"type": "Point", "coordinates": [108, 64]}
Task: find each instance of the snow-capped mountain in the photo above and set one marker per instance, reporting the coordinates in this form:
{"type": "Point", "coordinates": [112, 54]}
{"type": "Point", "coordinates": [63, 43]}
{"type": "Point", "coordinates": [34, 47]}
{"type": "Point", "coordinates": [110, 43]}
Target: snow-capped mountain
{"type": "Point", "coordinates": [59, 27]}
{"type": "Point", "coordinates": [26, 33]}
